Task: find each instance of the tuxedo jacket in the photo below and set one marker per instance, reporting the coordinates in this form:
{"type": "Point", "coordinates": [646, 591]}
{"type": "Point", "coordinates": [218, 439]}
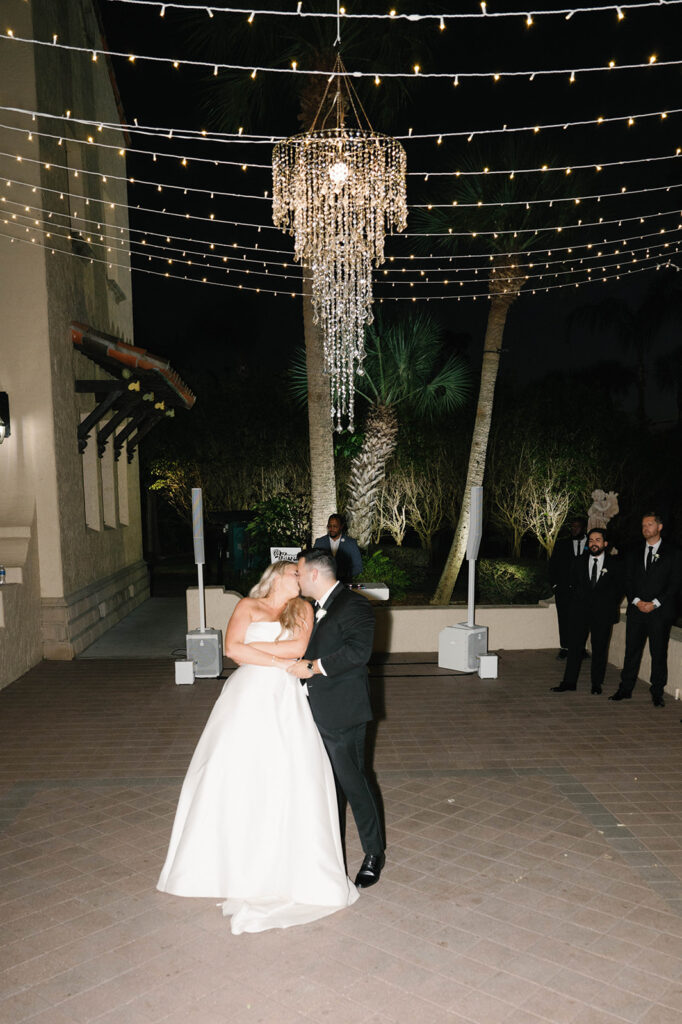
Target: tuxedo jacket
{"type": "Point", "coordinates": [661, 581]}
{"type": "Point", "coordinates": [599, 604]}
{"type": "Point", "coordinates": [348, 557]}
{"type": "Point", "coordinates": [561, 561]}
{"type": "Point", "coordinates": [343, 640]}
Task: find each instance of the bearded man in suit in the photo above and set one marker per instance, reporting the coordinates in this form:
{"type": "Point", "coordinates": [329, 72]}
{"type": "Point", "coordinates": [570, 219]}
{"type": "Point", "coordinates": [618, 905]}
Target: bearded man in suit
{"type": "Point", "coordinates": [596, 588]}
{"type": "Point", "coordinates": [335, 670]}
{"type": "Point", "coordinates": [652, 582]}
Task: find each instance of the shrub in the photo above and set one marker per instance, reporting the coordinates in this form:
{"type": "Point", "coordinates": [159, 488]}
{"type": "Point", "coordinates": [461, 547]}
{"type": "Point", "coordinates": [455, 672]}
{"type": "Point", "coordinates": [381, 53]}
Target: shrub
{"type": "Point", "coordinates": [283, 520]}
{"type": "Point", "coordinates": [380, 569]}
{"type": "Point", "coordinates": [502, 581]}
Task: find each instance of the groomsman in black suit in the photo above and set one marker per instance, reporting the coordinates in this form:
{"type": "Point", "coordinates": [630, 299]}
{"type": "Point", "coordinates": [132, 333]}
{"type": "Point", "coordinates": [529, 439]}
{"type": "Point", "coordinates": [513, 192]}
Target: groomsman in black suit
{"type": "Point", "coordinates": [565, 551]}
{"type": "Point", "coordinates": [335, 669]}
{"type": "Point", "coordinates": [652, 581]}
{"type": "Point", "coordinates": [596, 589]}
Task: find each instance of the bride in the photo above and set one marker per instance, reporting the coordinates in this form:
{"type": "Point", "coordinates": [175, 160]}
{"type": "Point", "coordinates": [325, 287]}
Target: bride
{"type": "Point", "coordinates": [257, 821]}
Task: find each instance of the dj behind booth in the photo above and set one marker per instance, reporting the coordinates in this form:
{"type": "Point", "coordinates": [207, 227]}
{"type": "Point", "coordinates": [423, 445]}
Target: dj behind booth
{"type": "Point", "coordinates": [344, 549]}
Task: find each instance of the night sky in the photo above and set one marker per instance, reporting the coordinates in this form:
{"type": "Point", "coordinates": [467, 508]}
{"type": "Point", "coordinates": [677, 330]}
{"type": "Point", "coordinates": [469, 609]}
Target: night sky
{"type": "Point", "coordinates": [192, 321]}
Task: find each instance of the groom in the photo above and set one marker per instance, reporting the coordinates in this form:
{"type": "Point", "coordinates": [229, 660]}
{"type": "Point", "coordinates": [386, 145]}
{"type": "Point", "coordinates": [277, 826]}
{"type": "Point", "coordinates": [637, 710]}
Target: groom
{"type": "Point", "coordinates": [335, 668]}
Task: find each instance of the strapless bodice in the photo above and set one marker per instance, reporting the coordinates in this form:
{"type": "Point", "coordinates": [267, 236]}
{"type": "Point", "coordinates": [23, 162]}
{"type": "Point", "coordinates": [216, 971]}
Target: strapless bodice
{"type": "Point", "coordinates": [262, 632]}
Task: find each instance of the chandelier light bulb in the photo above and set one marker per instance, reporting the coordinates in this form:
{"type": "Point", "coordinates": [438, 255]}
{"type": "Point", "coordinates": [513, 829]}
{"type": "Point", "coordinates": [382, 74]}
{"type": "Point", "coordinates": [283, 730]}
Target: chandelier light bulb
{"type": "Point", "coordinates": [338, 174]}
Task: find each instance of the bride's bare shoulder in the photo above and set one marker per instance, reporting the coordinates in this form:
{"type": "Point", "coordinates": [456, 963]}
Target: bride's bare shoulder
{"type": "Point", "coordinates": [252, 608]}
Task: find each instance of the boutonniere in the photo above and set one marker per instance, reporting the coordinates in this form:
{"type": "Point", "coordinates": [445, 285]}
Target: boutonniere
{"type": "Point", "coordinates": [655, 556]}
{"type": "Point", "coordinates": [603, 572]}
{"type": "Point", "coordinates": [320, 614]}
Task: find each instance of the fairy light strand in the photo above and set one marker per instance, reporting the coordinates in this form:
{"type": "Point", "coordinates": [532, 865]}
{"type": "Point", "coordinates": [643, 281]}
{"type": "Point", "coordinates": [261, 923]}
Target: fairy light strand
{"type": "Point", "coordinates": [480, 15]}
{"type": "Point", "coordinates": [240, 137]}
{"type": "Point", "coordinates": [252, 70]}
{"type": "Point", "coordinates": [599, 277]}
{"type": "Point", "coordinates": [235, 265]}
{"type": "Point", "coordinates": [261, 249]}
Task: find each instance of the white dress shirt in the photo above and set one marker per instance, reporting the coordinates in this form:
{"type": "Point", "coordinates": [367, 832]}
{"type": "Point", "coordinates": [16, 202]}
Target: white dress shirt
{"type": "Point", "coordinates": [321, 604]}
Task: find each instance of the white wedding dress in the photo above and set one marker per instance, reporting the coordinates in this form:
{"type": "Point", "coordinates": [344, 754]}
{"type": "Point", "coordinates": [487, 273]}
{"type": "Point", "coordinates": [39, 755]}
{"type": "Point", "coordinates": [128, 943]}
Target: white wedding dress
{"type": "Point", "coordinates": [257, 821]}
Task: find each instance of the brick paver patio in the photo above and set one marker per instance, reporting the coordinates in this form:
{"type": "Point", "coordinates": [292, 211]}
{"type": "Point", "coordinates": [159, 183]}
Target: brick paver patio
{"type": "Point", "coordinates": [534, 865]}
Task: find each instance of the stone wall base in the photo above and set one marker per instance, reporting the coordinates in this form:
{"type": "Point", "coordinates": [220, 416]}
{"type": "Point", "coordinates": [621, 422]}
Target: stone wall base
{"type": "Point", "coordinates": [70, 624]}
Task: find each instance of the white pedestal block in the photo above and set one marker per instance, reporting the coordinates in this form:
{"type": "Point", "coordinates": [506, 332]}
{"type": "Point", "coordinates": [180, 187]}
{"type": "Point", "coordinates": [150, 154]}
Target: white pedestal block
{"type": "Point", "coordinates": [184, 672]}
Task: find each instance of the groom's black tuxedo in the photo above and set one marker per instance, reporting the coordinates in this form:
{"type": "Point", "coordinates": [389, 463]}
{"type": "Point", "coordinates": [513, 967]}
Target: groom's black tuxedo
{"type": "Point", "coordinates": [342, 639]}
{"type": "Point", "coordinates": [592, 611]}
{"type": "Point", "coordinates": [339, 700]}
{"type": "Point", "coordinates": [661, 582]}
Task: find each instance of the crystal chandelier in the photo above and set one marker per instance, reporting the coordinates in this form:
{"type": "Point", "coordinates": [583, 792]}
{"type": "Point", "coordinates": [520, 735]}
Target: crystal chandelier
{"type": "Point", "coordinates": [337, 191]}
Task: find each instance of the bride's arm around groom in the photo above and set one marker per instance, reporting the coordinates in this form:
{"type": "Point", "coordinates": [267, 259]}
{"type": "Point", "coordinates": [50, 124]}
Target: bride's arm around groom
{"type": "Point", "coordinates": [282, 603]}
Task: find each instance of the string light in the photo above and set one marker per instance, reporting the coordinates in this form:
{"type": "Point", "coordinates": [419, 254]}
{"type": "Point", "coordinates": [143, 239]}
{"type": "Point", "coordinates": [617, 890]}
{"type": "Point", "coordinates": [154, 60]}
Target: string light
{"type": "Point", "coordinates": [200, 219]}
{"type": "Point", "coordinates": [662, 263]}
{"type": "Point", "coordinates": [101, 233]}
{"type": "Point", "coordinates": [567, 12]}
{"type": "Point", "coordinates": [211, 65]}
{"type": "Point", "coordinates": [428, 173]}
{"type": "Point", "coordinates": [225, 138]}
{"type": "Point", "coordinates": [569, 265]}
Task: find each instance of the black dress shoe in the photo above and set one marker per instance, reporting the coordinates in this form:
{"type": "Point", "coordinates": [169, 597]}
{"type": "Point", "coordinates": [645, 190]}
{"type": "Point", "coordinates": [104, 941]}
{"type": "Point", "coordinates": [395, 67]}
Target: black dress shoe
{"type": "Point", "coordinates": [562, 689]}
{"type": "Point", "coordinates": [370, 870]}
{"type": "Point", "coordinates": [596, 689]}
{"type": "Point", "coordinates": [563, 653]}
{"type": "Point", "coordinates": [658, 702]}
{"type": "Point", "coordinates": [618, 695]}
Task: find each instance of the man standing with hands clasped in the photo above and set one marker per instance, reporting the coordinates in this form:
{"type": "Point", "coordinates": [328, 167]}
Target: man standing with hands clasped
{"type": "Point", "coordinates": [652, 580]}
{"type": "Point", "coordinates": [335, 670]}
{"type": "Point", "coordinates": [596, 589]}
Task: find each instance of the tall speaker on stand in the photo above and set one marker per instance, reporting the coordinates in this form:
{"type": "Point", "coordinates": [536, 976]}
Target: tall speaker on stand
{"type": "Point", "coordinates": [204, 645]}
{"type": "Point", "coordinates": [464, 647]}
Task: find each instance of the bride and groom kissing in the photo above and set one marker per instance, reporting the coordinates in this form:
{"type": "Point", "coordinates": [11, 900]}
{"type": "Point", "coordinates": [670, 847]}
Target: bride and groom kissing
{"type": "Point", "coordinates": [262, 808]}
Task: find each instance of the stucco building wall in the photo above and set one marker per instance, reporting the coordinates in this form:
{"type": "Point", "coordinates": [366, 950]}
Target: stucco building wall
{"type": "Point", "coordinates": [89, 575]}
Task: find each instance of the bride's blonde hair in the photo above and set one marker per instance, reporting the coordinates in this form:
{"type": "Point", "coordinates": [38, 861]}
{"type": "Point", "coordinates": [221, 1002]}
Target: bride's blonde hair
{"type": "Point", "coordinates": [293, 613]}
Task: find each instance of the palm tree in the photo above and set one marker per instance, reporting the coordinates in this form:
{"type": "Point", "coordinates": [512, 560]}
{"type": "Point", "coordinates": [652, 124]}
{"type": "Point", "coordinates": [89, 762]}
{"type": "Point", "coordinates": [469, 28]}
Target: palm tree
{"type": "Point", "coordinates": [233, 100]}
{"type": "Point", "coordinates": [506, 276]}
{"type": "Point", "coordinates": [406, 368]}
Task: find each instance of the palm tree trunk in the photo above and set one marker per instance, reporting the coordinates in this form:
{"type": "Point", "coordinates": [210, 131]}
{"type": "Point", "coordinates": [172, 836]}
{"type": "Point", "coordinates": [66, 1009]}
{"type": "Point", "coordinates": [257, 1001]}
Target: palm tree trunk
{"type": "Point", "coordinates": [497, 317]}
{"type": "Point", "coordinates": [320, 432]}
{"type": "Point", "coordinates": [368, 471]}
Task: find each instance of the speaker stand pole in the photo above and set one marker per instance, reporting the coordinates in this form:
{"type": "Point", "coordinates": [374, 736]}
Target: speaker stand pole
{"type": "Point", "coordinates": [472, 591]}
{"type": "Point", "coordinates": [202, 601]}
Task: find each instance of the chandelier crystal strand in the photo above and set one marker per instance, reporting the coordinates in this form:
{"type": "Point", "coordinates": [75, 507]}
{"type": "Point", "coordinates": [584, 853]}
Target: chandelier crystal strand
{"type": "Point", "coordinates": [337, 192]}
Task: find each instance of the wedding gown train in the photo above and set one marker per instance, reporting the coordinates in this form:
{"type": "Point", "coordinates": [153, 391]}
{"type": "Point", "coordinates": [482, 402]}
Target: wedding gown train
{"type": "Point", "coordinates": [257, 820]}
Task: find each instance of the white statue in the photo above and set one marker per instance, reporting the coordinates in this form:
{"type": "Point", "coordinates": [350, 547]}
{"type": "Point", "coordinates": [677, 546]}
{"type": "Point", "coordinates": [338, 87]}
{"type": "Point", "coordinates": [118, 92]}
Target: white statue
{"type": "Point", "coordinates": [604, 507]}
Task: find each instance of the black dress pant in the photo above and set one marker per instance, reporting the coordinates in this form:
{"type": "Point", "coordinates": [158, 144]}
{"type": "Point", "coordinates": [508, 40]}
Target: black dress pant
{"type": "Point", "coordinates": [346, 749]}
{"type": "Point", "coordinates": [600, 632]}
{"type": "Point", "coordinates": [640, 627]}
